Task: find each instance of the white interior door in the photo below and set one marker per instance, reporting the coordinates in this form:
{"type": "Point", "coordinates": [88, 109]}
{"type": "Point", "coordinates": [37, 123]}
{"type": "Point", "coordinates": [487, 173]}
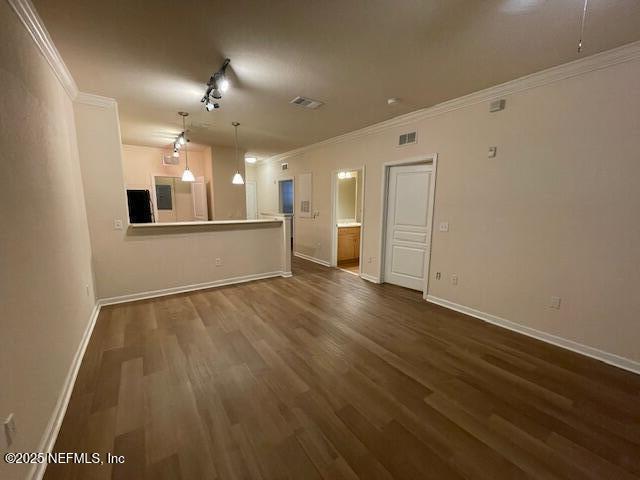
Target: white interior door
{"type": "Point", "coordinates": [199, 196]}
{"type": "Point", "coordinates": [154, 199]}
{"type": "Point", "coordinates": [252, 200]}
{"type": "Point", "coordinates": [407, 228]}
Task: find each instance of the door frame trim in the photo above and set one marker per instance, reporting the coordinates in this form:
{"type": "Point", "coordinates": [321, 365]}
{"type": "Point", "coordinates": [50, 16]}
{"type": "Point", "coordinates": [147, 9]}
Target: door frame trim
{"type": "Point", "coordinates": [426, 159]}
{"type": "Point", "coordinates": [334, 226]}
{"type": "Point", "coordinates": [253, 182]}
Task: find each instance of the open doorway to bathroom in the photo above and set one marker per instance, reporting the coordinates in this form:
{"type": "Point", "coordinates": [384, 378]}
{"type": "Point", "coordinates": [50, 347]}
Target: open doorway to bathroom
{"type": "Point", "coordinates": [348, 195]}
{"type": "Point", "coordinates": [285, 201]}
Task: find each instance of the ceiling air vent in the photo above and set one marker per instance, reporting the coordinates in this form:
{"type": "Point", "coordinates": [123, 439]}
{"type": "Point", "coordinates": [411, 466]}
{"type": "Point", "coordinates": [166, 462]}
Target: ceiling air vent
{"type": "Point", "coordinates": [306, 102]}
{"type": "Point", "coordinates": [407, 139]}
{"type": "Point", "coordinates": [168, 160]}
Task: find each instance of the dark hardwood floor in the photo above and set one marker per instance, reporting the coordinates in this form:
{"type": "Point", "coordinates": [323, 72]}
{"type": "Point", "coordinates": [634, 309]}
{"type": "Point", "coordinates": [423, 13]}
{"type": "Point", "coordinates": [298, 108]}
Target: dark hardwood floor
{"type": "Point", "coordinates": [324, 375]}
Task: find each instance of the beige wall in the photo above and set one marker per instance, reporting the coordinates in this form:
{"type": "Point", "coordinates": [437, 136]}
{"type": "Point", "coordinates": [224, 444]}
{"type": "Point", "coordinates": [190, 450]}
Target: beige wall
{"type": "Point", "coordinates": [182, 201]}
{"type": "Point", "coordinates": [217, 164]}
{"type": "Point", "coordinates": [141, 162]}
{"type": "Point", "coordinates": [46, 284]}
{"type": "Point", "coordinates": [251, 172]}
{"type": "Point", "coordinates": [229, 200]}
{"type": "Point", "coordinates": [555, 213]}
{"type": "Point", "coordinates": [127, 264]}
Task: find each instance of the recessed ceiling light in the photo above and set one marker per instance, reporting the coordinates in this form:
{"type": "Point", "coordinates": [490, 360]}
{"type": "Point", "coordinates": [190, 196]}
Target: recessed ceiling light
{"type": "Point", "coordinates": [250, 159]}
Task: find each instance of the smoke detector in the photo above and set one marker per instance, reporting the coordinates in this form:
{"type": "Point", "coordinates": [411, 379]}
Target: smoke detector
{"type": "Point", "coordinates": [307, 102]}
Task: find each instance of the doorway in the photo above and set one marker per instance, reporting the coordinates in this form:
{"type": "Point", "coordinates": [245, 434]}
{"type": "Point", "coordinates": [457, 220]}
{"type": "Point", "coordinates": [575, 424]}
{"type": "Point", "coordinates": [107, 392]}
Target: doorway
{"type": "Point", "coordinates": [252, 200]}
{"type": "Point", "coordinates": [285, 202]}
{"type": "Point", "coordinates": [285, 196]}
{"type": "Point", "coordinates": [347, 201]}
{"type": "Point", "coordinates": [409, 194]}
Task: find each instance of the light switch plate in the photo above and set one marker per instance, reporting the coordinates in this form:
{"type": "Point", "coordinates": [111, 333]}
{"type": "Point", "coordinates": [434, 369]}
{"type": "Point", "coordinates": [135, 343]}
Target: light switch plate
{"type": "Point", "coordinates": [117, 224]}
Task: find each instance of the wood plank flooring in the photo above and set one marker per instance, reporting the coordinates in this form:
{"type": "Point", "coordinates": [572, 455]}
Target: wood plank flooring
{"type": "Point", "coordinates": [352, 266]}
{"type": "Point", "coordinates": [326, 376]}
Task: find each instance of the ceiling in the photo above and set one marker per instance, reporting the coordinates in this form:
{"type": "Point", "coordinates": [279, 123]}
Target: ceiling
{"type": "Point", "coordinates": [154, 58]}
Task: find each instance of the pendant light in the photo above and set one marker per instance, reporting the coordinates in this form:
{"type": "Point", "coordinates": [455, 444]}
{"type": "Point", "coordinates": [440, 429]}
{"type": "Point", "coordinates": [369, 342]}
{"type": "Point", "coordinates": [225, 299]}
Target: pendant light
{"type": "Point", "coordinates": [237, 177]}
{"type": "Point", "coordinates": [187, 175]}
{"type": "Point", "coordinates": [584, 19]}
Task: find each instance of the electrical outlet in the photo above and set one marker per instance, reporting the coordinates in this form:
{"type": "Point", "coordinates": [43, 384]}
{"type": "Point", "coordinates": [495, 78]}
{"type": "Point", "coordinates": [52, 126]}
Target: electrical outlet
{"type": "Point", "coordinates": [10, 431]}
{"type": "Point", "coordinates": [554, 302]}
{"type": "Point", "coordinates": [218, 262]}
{"type": "Point", "coordinates": [117, 224]}
{"type": "Point", "coordinates": [454, 279]}
{"type": "Point", "coordinates": [438, 275]}
{"type": "Point", "coordinates": [493, 151]}
{"type": "Point", "coordinates": [444, 226]}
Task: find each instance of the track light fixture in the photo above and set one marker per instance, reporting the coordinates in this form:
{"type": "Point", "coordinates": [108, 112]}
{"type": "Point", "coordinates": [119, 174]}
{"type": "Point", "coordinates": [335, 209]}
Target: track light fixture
{"type": "Point", "coordinates": [217, 84]}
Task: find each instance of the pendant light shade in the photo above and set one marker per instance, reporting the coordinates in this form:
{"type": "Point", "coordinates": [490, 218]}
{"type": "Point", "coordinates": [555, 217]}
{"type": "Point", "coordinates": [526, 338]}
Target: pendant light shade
{"type": "Point", "coordinates": [237, 177]}
{"type": "Point", "coordinates": [187, 175]}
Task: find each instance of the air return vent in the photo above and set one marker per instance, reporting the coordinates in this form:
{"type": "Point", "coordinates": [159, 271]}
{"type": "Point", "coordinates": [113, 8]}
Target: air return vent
{"type": "Point", "coordinates": [168, 160]}
{"type": "Point", "coordinates": [306, 102]}
{"type": "Point", "coordinates": [407, 139]}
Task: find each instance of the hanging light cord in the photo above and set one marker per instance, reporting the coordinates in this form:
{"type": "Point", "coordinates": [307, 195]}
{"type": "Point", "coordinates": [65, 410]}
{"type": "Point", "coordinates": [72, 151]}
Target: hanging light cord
{"type": "Point", "coordinates": [235, 125]}
{"type": "Point", "coordinates": [584, 18]}
{"type": "Point", "coordinates": [186, 143]}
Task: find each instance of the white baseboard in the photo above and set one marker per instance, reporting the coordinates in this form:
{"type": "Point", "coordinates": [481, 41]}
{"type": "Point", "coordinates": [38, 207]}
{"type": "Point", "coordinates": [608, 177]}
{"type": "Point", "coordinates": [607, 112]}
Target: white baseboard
{"type": "Point", "coordinates": [311, 259]}
{"type": "Point", "coordinates": [53, 428]}
{"type": "Point", "coordinates": [370, 278]}
{"type": "Point", "coordinates": [606, 357]}
{"type": "Point", "coordinates": [190, 288]}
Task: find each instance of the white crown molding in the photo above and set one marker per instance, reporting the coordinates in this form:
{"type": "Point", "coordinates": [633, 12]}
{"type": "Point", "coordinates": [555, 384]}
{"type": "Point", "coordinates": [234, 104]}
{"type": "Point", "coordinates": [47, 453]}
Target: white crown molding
{"type": "Point", "coordinates": [582, 66]}
{"type": "Point", "coordinates": [606, 357]}
{"type": "Point", "coordinates": [95, 100]}
{"type": "Point", "coordinates": [33, 23]}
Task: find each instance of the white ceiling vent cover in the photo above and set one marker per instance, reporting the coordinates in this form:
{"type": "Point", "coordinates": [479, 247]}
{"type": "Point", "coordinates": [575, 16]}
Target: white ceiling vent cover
{"type": "Point", "coordinates": [307, 102]}
{"type": "Point", "coordinates": [407, 139]}
{"type": "Point", "coordinates": [169, 160]}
